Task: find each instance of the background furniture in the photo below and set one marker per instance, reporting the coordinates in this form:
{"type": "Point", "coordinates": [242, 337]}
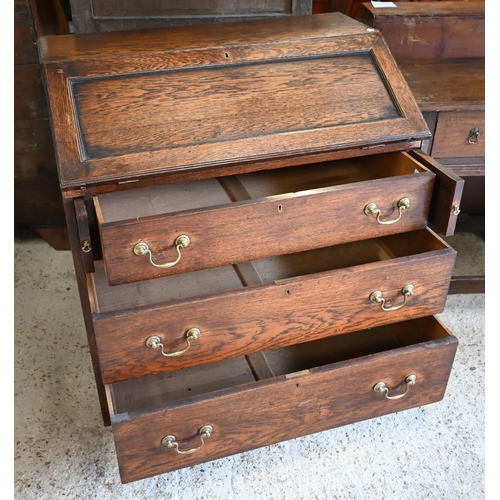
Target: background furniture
{"type": "Point", "coordinates": [351, 7]}
{"type": "Point", "coordinates": [92, 16]}
{"type": "Point", "coordinates": [37, 198]}
{"type": "Point", "coordinates": [440, 48]}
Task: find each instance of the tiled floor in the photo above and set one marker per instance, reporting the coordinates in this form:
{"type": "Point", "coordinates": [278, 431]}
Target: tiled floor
{"type": "Point", "coordinates": [62, 450]}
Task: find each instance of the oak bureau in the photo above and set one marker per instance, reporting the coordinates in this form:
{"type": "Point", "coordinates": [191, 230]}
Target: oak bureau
{"type": "Point", "coordinates": [247, 207]}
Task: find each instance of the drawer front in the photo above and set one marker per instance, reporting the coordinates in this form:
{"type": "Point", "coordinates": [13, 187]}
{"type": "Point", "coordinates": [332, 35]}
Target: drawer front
{"type": "Point", "coordinates": [459, 134]}
{"type": "Point", "coordinates": [270, 315]}
{"type": "Point", "coordinates": [254, 229]}
{"type": "Point", "coordinates": [447, 194]}
{"type": "Point", "coordinates": [262, 413]}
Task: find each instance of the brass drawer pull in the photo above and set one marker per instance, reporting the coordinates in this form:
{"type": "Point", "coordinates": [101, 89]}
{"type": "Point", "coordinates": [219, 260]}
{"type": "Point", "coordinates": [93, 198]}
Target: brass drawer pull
{"type": "Point", "coordinates": [377, 297]}
{"type": "Point", "coordinates": [86, 246]}
{"type": "Point", "coordinates": [474, 134]}
{"type": "Point", "coordinates": [171, 441]}
{"type": "Point", "coordinates": [182, 241]}
{"type": "Point", "coordinates": [409, 381]}
{"type": "Point", "coordinates": [154, 342]}
{"type": "Point", "coordinates": [372, 209]}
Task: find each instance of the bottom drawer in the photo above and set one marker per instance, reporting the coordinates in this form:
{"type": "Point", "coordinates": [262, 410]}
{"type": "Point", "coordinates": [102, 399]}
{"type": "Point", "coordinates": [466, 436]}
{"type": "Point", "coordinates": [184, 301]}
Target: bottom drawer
{"type": "Point", "coordinates": [258, 400]}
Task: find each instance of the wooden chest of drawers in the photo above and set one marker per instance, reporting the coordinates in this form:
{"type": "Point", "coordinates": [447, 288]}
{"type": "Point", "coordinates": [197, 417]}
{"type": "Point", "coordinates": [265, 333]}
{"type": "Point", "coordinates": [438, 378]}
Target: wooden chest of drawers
{"type": "Point", "coordinates": [248, 215]}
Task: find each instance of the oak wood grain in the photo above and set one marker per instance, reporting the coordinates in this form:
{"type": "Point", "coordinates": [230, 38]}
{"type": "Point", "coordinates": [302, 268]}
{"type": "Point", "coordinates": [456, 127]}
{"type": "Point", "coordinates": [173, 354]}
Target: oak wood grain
{"type": "Point", "coordinates": [446, 84]}
{"type": "Point", "coordinates": [302, 297]}
{"type": "Point", "coordinates": [86, 303]}
{"type": "Point", "coordinates": [90, 16]}
{"type": "Point", "coordinates": [186, 106]}
{"type": "Point", "coordinates": [247, 230]}
{"type": "Point", "coordinates": [173, 39]}
{"type": "Point", "coordinates": [433, 30]}
{"type": "Point", "coordinates": [85, 241]}
{"type": "Point", "coordinates": [281, 408]}
{"type": "Point", "coordinates": [447, 194]}
{"type": "Point", "coordinates": [452, 134]}
{"type": "Point", "coordinates": [198, 107]}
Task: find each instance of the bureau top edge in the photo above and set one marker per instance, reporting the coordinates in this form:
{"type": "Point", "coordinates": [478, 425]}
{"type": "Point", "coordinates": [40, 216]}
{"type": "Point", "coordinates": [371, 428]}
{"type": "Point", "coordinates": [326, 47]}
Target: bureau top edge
{"type": "Point", "coordinates": [55, 49]}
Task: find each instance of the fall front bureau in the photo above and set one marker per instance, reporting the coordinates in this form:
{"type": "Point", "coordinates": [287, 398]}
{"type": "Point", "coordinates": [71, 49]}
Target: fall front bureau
{"type": "Point", "coordinates": [248, 210]}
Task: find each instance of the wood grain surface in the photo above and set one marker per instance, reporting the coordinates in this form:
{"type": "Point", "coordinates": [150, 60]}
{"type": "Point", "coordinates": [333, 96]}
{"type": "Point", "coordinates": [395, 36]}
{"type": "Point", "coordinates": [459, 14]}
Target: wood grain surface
{"type": "Point", "coordinates": [452, 134]}
{"type": "Point", "coordinates": [140, 108]}
{"type": "Point", "coordinates": [303, 297]}
{"type": "Point", "coordinates": [283, 408]}
{"type": "Point", "coordinates": [446, 84]}
{"type": "Point", "coordinates": [446, 195]}
{"type": "Point", "coordinates": [252, 229]}
{"type": "Point", "coordinates": [91, 16]}
{"type": "Point", "coordinates": [431, 30]}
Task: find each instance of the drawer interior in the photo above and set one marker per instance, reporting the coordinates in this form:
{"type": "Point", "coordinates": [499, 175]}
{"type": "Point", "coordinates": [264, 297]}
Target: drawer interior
{"type": "Point", "coordinates": [347, 255]}
{"type": "Point", "coordinates": [157, 390]}
{"type": "Point", "coordinates": [174, 198]}
{"type": "Point", "coordinates": [106, 298]}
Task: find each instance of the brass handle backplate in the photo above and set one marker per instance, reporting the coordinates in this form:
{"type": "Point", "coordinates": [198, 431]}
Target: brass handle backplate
{"type": "Point", "coordinates": [372, 209]}
{"type": "Point", "coordinates": [154, 342]}
{"type": "Point", "coordinates": [142, 248]}
{"type": "Point", "coordinates": [409, 381]}
{"type": "Point", "coordinates": [474, 134]}
{"type": "Point", "coordinates": [171, 441]}
{"type": "Point", "coordinates": [378, 298]}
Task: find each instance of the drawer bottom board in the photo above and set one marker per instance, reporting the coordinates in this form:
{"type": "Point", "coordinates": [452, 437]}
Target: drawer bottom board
{"type": "Point", "coordinates": [307, 388]}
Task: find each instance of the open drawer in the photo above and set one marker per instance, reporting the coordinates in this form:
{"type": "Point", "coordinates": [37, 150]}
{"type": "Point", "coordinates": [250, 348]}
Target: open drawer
{"type": "Point", "coordinates": [163, 230]}
{"type": "Point", "coordinates": [205, 316]}
{"type": "Point", "coordinates": [169, 421]}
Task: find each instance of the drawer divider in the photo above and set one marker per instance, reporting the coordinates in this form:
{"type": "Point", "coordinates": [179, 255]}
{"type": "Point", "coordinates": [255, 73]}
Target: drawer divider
{"type": "Point", "coordinates": [257, 361]}
{"type": "Point", "coordinates": [234, 188]}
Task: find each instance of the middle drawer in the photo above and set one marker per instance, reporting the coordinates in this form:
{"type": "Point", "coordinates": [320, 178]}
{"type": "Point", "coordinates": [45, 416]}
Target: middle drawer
{"type": "Point", "coordinates": [205, 316]}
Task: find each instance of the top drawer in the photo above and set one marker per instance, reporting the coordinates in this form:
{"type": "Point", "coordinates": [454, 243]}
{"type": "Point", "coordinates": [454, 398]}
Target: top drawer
{"type": "Point", "coordinates": [153, 232]}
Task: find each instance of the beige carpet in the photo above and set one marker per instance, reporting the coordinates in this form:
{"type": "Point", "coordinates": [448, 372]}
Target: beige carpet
{"type": "Point", "coordinates": [62, 450]}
